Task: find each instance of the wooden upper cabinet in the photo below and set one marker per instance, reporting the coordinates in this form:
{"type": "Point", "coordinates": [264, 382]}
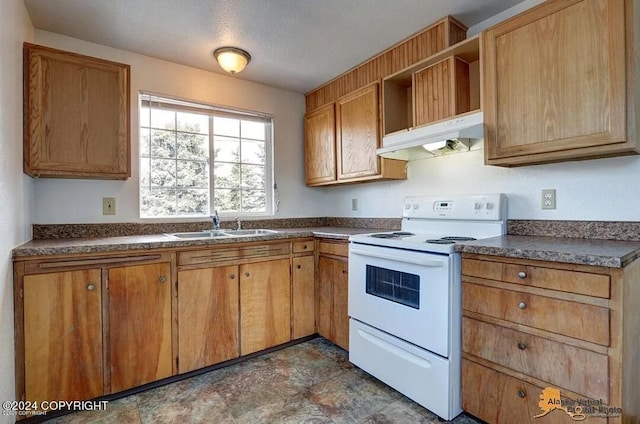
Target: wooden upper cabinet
{"type": "Point", "coordinates": [557, 83]}
{"type": "Point", "coordinates": [320, 145]}
{"type": "Point", "coordinates": [358, 129]}
{"type": "Point", "coordinates": [76, 115]}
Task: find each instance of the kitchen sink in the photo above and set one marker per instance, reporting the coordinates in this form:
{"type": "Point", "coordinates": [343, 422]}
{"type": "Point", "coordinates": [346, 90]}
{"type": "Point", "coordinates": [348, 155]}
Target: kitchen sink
{"type": "Point", "coordinates": [258, 232]}
{"type": "Point", "coordinates": [210, 234]}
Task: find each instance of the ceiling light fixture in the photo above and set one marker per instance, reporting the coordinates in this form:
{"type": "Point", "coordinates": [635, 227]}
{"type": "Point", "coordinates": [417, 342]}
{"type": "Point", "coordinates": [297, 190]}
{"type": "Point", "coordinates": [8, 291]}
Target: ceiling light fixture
{"type": "Point", "coordinates": [232, 59]}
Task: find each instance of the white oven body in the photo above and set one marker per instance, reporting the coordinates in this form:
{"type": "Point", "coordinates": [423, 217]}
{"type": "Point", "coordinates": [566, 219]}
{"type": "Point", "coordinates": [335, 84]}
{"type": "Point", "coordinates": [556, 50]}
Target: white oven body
{"type": "Point", "coordinates": [404, 309]}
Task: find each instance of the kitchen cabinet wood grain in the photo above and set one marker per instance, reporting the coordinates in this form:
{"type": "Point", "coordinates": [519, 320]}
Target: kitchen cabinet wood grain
{"type": "Point", "coordinates": [76, 115]}
{"type": "Point", "coordinates": [558, 83]}
{"type": "Point", "coordinates": [139, 324]}
{"type": "Point", "coordinates": [332, 283]}
{"type": "Point", "coordinates": [63, 337]}
{"type": "Point", "coordinates": [320, 145]}
{"type": "Point", "coordinates": [303, 296]}
{"type": "Point", "coordinates": [208, 316]}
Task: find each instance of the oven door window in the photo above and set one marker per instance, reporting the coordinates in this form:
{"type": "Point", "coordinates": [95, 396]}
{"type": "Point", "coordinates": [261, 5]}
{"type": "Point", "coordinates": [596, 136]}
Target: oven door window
{"type": "Point", "coordinates": [396, 286]}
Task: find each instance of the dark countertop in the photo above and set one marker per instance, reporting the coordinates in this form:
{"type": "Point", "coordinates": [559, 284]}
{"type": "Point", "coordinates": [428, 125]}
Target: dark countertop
{"type": "Point", "coordinates": [161, 241]}
{"type": "Point", "coordinates": [607, 253]}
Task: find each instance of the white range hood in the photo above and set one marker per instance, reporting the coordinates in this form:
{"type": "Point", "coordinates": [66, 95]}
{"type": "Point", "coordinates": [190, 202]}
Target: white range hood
{"type": "Point", "coordinates": [451, 136]}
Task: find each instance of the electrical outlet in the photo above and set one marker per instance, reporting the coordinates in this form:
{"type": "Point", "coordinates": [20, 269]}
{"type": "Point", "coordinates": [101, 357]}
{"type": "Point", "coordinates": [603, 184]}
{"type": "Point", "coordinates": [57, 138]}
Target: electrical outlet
{"type": "Point", "coordinates": [548, 198]}
{"type": "Point", "coordinates": [354, 204]}
{"type": "Point", "coordinates": [108, 206]}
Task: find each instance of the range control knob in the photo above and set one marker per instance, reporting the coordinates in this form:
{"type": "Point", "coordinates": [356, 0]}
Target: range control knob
{"type": "Point", "coordinates": [416, 206]}
{"type": "Point", "coordinates": [477, 206]}
{"type": "Point", "coordinates": [407, 206]}
{"type": "Point", "coordinates": [488, 206]}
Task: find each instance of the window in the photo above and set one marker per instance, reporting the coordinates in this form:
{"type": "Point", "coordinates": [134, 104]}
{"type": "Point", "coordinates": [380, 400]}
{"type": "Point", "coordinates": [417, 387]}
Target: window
{"type": "Point", "coordinates": [197, 158]}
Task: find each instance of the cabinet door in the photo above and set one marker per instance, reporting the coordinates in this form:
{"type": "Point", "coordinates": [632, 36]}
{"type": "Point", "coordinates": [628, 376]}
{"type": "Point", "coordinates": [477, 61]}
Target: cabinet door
{"type": "Point", "coordinates": [340, 304]}
{"type": "Point", "coordinates": [208, 316]}
{"type": "Point", "coordinates": [326, 277]}
{"type": "Point", "coordinates": [265, 305]}
{"type": "Point", "coordinates": [63, 335]}
{"type": "Point", "coordinates": [320, 145]}
{"type": "Point", "coordinates": [139, 325]}
{"type": "Point", "coordinates": [358, 129]}
{"type": "Point", "coordinates": [333, 317]}
{"type": "Point", "coordinates": [554, 83]}
{"type": "Point", "coordinates": [76, 115]}
{"type": "Point", "coordinates": [303, 297]}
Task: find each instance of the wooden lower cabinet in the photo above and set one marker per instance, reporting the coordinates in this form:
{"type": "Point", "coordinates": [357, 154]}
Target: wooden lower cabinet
{"type": "Point", "coordinates": [63, 341]}
{"type": "Point", "coordinates": [265, 305]}
{"type": "Point", "coordinates": [208, 316]}
{"type": "Point", "coordinates": [303, 296]}
{"type": "Point", "coordinates": [139, 325]}
{"type": "Point", "coordinates": [333, 318]}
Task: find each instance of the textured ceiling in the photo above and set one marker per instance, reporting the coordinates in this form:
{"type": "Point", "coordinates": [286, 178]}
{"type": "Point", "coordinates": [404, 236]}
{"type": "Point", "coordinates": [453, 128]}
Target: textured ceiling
{"type": "Point", "coordinates": [294, 44]}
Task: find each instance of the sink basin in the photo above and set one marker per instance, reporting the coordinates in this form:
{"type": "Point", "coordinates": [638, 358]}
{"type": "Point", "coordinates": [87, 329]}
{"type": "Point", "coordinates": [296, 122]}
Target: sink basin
{"type": "Point", "coordinates": [259, 232]}
{"type": "Point", "coordinates": [198, 235]}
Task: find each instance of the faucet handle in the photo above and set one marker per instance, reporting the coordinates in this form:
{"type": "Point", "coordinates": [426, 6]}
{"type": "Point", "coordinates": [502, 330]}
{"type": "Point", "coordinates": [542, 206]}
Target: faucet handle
{"type": "Point", "coordinates": [238, 223]}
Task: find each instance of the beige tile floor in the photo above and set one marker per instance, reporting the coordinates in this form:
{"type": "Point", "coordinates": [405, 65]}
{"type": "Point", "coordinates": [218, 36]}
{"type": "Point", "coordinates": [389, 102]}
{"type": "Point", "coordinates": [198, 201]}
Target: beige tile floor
{"type": "Point", "coordinates": [312, 382]}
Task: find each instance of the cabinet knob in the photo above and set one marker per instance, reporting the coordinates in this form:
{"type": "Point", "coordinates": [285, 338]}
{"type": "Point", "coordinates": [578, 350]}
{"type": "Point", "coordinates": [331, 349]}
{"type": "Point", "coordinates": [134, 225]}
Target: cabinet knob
{"type": "Point", "coordinates": [246, 274]}
{"type": "Point", "coordinates": [91, 287]}
{"type": "Point", "coordinates": [522, 305]}
{"type": "Point", "coordinates": [522, 275]}
{"type": "Point", "coordinates": [299, 266]}
{"type": "Point", "coordinates": [162, 279]}
{"type": "Point", "coordinates": [344, 271]}
{"type": "Point", "coordinates": [232, 277]}
{"type": "Point", "coordinates": [522, 394]}
{"type": "Point", "coordinates": [304, 247]}
{"type": "Point", "coordinates": [522, 346]}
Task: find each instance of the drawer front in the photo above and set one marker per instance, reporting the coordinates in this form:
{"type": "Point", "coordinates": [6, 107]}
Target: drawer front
{"type": "Point", "coordinates": [572, 319]}
{"type": "Point", "coordinates": [579, 370]}
{"type": "Point", "coordinates": [221, 255]}
{"type": "Point", "coordinates": [556, 279]}
{"type": "Point", "coordinates": [303, 246]}
{"type": "Point", "coordinates": [338, 249]}
{"type": "Point", "coordinates": [498, 398]}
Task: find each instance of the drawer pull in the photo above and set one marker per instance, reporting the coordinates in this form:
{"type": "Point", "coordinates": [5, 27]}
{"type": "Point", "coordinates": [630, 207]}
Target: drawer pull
{"type": "Point", "coordinates": [299, 266]}
{"type": "Point", "coordinates": [304, 247]}
{"type": "Point", "coordinates": [522, 305]}
{"type": "Point", "coordinates": [522, 394]}
{"type": "Point", "coordinates": [246, 274]}
{"type": "Point", "coordinates": [522, 275]}
{"type": "Point", "coordinates": [522, 346]}
{"type": "Point", "coordinates": [91, 287]}
{"type": "Point", "coordinates": [232, 277]}
{"type": "Point", "coordinates": [162, 279]}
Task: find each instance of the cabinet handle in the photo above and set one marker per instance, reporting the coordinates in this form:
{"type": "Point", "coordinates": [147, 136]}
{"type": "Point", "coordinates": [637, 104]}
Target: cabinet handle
{"type": "Point", "coordinates": [522, 394]}
{"type": "Point", "coordinates": [246, 274]}
{"type": "Point", "coordinates": [522, 275]}
{"type": "Point", "coordinates": [162, 279]}
{"type": "Point", "coordinates": [522, 305]}
{"type": "Point", "coordinates": [232, 277]}
{"type": "Point", "coordinates": [299, 266]}
{"type": "Point", "coordinates": [304, 247]}
{"type": "Point", "coordinates": [91, 287]}
{"type": "Point", "coordinates": [344, 271]}
{"type": "Point", "coordinates": [522, 346]}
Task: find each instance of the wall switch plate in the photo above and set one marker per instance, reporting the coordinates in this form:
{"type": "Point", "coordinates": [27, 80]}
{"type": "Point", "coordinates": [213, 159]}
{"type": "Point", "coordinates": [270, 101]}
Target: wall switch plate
{"type": "Point", "coordinates": [548, 198]}
{"type": "Point", "coordinates": [354, 204]}
{"type": "Point", "coordinates": [108, 206]}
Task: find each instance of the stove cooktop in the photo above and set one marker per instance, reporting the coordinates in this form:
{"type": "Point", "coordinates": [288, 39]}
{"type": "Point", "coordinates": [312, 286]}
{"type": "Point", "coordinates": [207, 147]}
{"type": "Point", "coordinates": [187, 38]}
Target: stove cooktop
{"type": "Point", "coordinates": [413, 241]}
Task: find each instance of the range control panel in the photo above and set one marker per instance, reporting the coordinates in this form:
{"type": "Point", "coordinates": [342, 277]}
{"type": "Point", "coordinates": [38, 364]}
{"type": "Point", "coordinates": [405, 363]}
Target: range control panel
{"type": "Point", "coordinates": [486, 207]}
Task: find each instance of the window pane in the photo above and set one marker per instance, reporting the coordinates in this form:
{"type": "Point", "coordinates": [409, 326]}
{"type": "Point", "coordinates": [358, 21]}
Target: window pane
{"type": "Point", "coordinates": [253, 176]}
{"type": "Point", "coordinates": [144, 142]}
{"type": "Point", "coordinates": [226, 175]}
{"type": "Point", "coordinates": [193, 174]}
{"type": "Point", "coordinates": [157, 202]}
{"type": "Point", "coordinates": [144, 171]}
{"type": "Point", "coordinates": [163, 119]}
{"type": "Point", "coordinates": [193, 122]}
{"type": "Point", "coordinates": [193, 146]}
{"type": "Point", "coordinates": [253, 152]}
{"type": "Point", "coordinates": [226, 126]}
{"type": "Point", "coordinates": [144, 116]}
{"type": "Point", "coordinates": [163, 144]}
{"type": "Point", "coordinates": [226, 149]}
{"type": "Point", "coordinates": [254, 201]}
{"type": "Point", "coordinates": [227, 200]}
{"type": "Point", "coordinates": [193, 201]}
{"type": "Point", "coordinates": [254, 130]}
{"type": "Point", "coordinates": [163, 173]}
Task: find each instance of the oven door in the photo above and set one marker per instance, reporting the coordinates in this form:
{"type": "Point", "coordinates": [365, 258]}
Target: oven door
{"type": "Point", "coordinates": [402, 292]}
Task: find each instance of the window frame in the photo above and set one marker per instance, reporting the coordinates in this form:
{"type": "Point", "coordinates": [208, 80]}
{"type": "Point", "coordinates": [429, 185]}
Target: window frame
{"type": "Point", "coordinates": [166, 102]}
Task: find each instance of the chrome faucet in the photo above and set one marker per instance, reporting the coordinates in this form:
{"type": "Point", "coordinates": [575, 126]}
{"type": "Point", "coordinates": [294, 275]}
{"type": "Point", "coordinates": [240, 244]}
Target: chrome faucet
{"type": "Point", "coordinates": [215, 220]}
{"type": "Point", "coordinates": [238, 224]}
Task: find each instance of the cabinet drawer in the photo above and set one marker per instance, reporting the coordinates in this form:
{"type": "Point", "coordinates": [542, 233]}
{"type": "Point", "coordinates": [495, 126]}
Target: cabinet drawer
{"type": "Point", "coordinates": [549, 278]}
{"type": "Point", "coordinates": [303, 246]}
{"type": "Point", "coordinates": [338, 249]}
{"type": "Point", "coordinates": [572, 319]}
{"type": "Point", "coordinates": [579, 370]}
{"type": "Point", "coordinates": [498, 398]}
{"type": "Point", "coordinates": [220, 255]}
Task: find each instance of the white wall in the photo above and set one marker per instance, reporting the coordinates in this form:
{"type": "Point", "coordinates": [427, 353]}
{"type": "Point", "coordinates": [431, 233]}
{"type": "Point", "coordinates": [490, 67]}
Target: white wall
{"type": "Point", "coordinates": [80, 201]}
{"type": "Point", "coordinates": [16, 190]}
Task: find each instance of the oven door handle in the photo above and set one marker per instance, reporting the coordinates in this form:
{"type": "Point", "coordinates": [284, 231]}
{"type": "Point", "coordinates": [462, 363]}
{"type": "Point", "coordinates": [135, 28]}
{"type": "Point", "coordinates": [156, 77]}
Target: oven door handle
{"type": "Point", "coordinates": [422, 262]}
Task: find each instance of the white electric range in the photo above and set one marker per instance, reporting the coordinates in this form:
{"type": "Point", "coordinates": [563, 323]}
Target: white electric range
{"type": "Point", "coordinates": [405, 296]}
